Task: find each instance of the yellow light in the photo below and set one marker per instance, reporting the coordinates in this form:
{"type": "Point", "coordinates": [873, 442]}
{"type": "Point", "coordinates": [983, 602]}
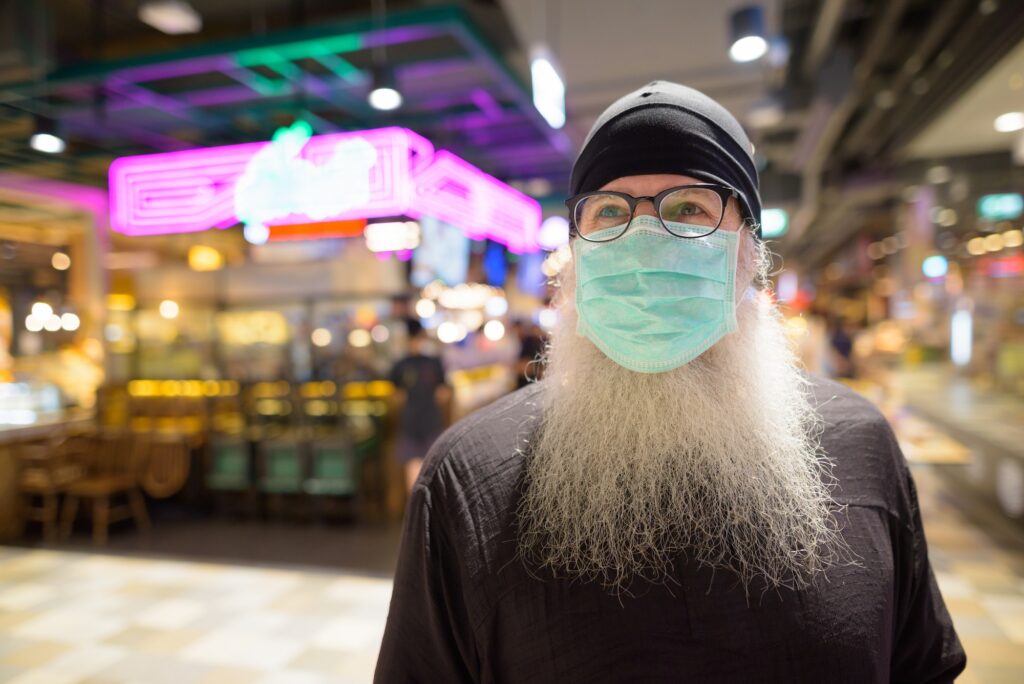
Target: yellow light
{"type": "Point", "coordinates": [321, 337]}
{"type": "Point", "coordinates": [60, 261]}
{"type": "Point", "coordinates": [1013, 238]}
{"type": "Point", "coordinates": [976, 246]}
{"type": "Point", "coordinates": [210, 388]}
{"type": "Point", "coordinates": [994, 243]}
{"type": "Point", "coordinates": [169, 309]}
{"type": "Point", "coordinates": [380, 389]}
{"type": "Point", "coordinates": [354, 390]}
{"type": "Point", "coordinates": [204, 258]}
{"type": "Point", "coordinates": [120, 302]}
{"type": "Point", "coordinates": [359, 338]}
{"type": "Point", "coordinates": [365, 317]}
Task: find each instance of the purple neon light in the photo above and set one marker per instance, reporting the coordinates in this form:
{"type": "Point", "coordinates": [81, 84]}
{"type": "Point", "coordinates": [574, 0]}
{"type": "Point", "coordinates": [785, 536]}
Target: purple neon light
{"type": "Point", "coordinates": [193, 190]}
{"type": "Point", "coordinates": [457, 192]}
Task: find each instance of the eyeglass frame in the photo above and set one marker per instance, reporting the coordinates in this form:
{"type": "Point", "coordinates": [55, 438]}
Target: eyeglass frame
{"type": "Point", "coordinates": [723, 191]}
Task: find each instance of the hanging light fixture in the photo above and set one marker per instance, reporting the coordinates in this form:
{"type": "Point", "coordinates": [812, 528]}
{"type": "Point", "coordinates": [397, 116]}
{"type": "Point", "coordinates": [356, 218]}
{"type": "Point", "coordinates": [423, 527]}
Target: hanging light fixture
{"type": "Point", "coordinates": [748, 36]}
{"type": "Point", "coordinates": [384, 94]}
{"type": "Point", "coordinates": [47, 137]}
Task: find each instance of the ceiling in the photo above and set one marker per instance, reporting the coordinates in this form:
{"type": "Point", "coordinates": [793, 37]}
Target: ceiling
{"type": "Point", "coordinates": [856, 88]}
{"type": "Point", "coordinates": [607, 48]}
{"type": "Point", "coordinates": [967, 126]}
{"type": "Point", "coordinates": [119, 87]}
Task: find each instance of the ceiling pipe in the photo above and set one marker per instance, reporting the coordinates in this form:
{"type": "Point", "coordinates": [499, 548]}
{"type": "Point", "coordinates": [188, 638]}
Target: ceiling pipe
{"type": "Point", "coordinates": [829, 18]}
{"type": "Point", "coordinates": [937, 30]}
{"type": "Point", "coordinates": [839, 92]}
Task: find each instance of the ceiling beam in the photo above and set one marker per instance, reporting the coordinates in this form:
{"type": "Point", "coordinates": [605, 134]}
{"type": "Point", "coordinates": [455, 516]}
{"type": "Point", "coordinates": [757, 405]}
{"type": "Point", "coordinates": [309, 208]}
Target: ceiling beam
{"type": "Point", "coordinates": [825, 26]}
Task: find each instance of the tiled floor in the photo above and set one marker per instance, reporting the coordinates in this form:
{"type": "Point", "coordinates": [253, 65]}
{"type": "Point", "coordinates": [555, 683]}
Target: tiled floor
{"type": "Point", "coordinates": [77, 617]}
{"type": "Point", "coordinates": [979, 564]}
{"type": "Point", "coordinates": [71, 616]}
{"type": "Point", "coordinates": [82, 618]}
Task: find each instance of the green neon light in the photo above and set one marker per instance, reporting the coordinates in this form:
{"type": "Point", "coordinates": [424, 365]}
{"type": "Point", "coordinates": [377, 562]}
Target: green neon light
{"type": "Point", "coordinates": [260, 83]}
{"type": "Point", "coordinates": [314, 49]}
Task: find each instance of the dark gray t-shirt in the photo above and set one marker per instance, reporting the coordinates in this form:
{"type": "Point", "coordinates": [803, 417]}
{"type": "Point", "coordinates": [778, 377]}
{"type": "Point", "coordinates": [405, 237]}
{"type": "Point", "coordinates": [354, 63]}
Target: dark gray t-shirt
{"type": "Point", "coordinates": [465, 608]}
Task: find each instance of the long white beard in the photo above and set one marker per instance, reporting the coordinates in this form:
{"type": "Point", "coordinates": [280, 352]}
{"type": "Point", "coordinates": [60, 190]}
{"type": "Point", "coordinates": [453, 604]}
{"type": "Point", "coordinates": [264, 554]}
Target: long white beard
{"type": "Point", "coordinates": [717, 461]}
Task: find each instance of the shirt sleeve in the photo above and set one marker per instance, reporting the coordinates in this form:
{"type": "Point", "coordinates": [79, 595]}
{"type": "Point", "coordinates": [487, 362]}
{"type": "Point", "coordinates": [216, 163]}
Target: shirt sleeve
{"type": "Point", "coordinates": [428, 637]}
{"type": "Point", "coordinates": [926, 648]}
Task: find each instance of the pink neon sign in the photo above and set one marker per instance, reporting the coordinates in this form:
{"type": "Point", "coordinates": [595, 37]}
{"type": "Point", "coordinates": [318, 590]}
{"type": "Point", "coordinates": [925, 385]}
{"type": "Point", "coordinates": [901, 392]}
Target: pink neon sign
{"type": "Point", "coordinates": [194, 190]}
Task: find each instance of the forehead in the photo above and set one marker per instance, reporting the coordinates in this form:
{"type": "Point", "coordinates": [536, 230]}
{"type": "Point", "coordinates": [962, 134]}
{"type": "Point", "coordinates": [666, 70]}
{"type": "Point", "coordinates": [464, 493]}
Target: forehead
{"type": "Point", "coordinates": [648, 184]}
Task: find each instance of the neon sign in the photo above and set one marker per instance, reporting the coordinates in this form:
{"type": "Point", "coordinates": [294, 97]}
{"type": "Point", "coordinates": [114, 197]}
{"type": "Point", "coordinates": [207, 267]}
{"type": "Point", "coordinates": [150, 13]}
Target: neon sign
{"type": "Point", "coordinates": [299, 178]}
{"type": "Point", "coordinates": [278, 183]}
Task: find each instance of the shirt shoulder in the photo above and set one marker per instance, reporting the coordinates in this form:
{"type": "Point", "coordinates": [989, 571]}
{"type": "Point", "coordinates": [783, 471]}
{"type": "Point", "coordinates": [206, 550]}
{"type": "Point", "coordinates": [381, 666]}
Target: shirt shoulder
{"type": "Point", "coordinates": [867, 463]}
{"type": "Point", "coordinates": [474, 470]}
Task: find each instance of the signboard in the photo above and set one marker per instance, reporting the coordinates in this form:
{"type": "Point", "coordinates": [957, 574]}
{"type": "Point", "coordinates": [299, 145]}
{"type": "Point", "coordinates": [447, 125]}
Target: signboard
{"type": "Point", "coordinates": [1004, 207]}
{"type": "Point", "coordinates": [301, 178]}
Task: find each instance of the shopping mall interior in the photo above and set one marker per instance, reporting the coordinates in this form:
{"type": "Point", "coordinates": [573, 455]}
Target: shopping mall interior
{"type": "Point", "coordinates": [204, 389]}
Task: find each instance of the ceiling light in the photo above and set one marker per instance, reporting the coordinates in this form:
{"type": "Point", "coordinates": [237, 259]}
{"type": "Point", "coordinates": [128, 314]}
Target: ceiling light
{"type": "Point", "coordinates": [174, 17]}
{"type": "Point", "coordinates": [748, 35]}
{"type": "Point", "coordinates": [47, 137]}
{"type": "Point", "coordinates": [1009, 122]}
{"type": "Point", "coordinates": [384, 95]}
{"type": "Point", "coordinates": [60, 261]}
{"type": "Point", "coordinates": [548, 90]}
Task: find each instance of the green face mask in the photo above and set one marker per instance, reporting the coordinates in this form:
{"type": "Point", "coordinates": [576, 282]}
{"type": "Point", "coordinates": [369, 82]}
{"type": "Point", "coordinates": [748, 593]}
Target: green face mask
{"type": "Point", "coordinates": [652, 301]}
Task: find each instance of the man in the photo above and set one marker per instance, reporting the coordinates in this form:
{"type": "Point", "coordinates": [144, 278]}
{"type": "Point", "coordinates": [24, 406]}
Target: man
{"type": "Point", "coordinates": [419, 381]}
{"type": "Point", "coordinates": [675, 501]}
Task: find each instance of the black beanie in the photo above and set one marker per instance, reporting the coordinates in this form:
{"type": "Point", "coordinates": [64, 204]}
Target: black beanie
{"type": "Point", "coordinates": [668, 128]}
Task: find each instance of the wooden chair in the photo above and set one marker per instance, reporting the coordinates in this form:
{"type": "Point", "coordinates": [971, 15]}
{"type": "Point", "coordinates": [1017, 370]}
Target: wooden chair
{"type": "Point", "coordinates": [45, 469]}
{"type": "Point", "coordinates": [113, 471]}
{"type": "Point", "coordinates": [168, 462]}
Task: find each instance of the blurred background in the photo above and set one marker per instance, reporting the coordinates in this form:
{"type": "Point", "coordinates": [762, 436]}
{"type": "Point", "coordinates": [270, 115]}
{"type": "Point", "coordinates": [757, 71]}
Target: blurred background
{"type": "Point", "coordinates": [255, 255]}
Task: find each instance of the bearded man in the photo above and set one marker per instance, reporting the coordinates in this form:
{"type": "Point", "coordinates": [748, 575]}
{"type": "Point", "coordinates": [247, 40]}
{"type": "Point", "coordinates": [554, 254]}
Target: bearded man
{"type": "Point", "coordinates": [675, 500]}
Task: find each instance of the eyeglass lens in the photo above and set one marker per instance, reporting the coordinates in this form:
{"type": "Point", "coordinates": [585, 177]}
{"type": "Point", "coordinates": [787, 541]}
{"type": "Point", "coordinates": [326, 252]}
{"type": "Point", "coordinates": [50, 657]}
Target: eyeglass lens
{"type": "Point", "coordinates": [686, 212]}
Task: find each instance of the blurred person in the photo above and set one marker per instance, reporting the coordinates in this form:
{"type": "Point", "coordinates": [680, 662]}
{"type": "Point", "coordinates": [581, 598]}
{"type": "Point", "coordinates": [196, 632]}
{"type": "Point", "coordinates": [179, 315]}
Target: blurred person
{"type": "Point", "coordinates": [675, 500]}
{"type": "Point", "coordinates": [419, 381]}
{"type": "Point", "coordinates": [841, 348]}
{"type": "Point", "coordinates": [531, 348]}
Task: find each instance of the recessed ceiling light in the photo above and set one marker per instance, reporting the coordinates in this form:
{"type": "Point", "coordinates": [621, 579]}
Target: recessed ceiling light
{"type": "Point", "coordinates": [1009, 122]}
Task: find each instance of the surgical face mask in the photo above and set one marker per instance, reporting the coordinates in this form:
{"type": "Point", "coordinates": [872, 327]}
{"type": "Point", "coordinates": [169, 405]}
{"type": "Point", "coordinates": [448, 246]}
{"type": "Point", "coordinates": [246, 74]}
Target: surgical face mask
{"type": "Point", "coordinates": [652, 301]}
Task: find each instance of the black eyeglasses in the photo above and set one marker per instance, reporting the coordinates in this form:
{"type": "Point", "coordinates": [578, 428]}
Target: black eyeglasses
{"type": "Point", "coordinates": [686, 211]}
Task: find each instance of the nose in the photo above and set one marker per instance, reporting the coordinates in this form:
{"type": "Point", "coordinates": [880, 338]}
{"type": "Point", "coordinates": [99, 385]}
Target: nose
{"type": "Point", "coordinates": [645, 207]}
